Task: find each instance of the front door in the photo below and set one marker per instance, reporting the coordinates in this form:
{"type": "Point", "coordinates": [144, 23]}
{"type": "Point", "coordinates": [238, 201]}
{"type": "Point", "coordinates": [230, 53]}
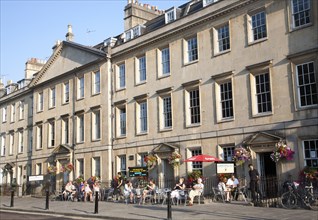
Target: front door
{"type": "Point", "coordinates": [268, 175]}
{"type": "Point", "coordinates": [168, 173]}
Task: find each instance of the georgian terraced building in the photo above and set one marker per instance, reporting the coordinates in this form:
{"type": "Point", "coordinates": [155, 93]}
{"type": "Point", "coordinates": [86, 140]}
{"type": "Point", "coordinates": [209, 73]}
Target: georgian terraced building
{"type": "Point", "coordinates": [202, 77]}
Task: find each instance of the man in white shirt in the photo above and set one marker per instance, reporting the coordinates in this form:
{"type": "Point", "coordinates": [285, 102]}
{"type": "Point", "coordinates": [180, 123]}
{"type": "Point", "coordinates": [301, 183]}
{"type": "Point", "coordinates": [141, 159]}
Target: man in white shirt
{"type": "Point", "coordinates": [197, 190]}
{"type": "Point", "coordinates": [232, 183]}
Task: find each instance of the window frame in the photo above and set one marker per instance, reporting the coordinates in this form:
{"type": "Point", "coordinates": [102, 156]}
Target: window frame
{"type": "Point", "coordinates": [96, 125]}
{"type": "Point", "coordinates": [21, 110]}
{"type": "Point", "coordinates": [141, 71]}
{"type": "Point", "coordinates": [80, 87]}
{"type": "Point", "coordinates": [141, 100]}
{"type": "Point", "coordinates": [304, 151]}
{"type": "Point", "coordinates": [65, 137]}
{"type": "Point", "coordinates": [11, 142]}
{"type": "Point", "coordinates": [66, 92]}
{"type": "Point", "coordinates": [40, 101]}
{"type": "Point", "coordinates": [94, 173]}
{"type": "Point", "coordinates": [119, 121]}
{"type": "Point", "coordinates": [162, 95]}
{"type": "Point", "coordinates": [20, 141]}
{"type": "Point", "coordinates": [96, 84]}
{"type": "Point", "coordinates": [3, 144]}
{"type": "Point", "coordinates": [52, 98]}
{"type": "Point", "coordinates": [163, 64]}
{"type": "Point", "coordinates": [121, 168]}
{"type": "Point", "coordinates": [4, 114]}
{"type": "Point", "coordinates": [216, 39]}
{"type": "Point", "coordinates": [39, 136]}
{"type": "Point", "coordinates": [51, 133]}
{"type": "Point", "coordinates": [291, 13]}
{"type": "Point", "coordinates": [187, 55]}
{"type": "Point", "coordinates": [250, 29]}
{"type": "Point", "coordinates": [168, 18]}
{"type": "Point", "coordinates": [80, 128]}
{"type": "Point", "coordinates": [121, 76]}
{"type": "Point", "coordinates": [12, 113]}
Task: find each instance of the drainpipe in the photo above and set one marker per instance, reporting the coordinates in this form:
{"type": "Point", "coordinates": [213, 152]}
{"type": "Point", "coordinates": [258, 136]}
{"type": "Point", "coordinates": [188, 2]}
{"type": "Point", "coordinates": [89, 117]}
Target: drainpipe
{"type": "Point", "coordinates": [110, 151]}
{"type": "Point", "coordinates": [73, 125]}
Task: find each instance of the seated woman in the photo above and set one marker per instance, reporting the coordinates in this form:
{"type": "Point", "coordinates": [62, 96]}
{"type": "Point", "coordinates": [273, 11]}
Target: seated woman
{"type": "Point", "coordinates": [96, 187]}
{"type": "Point", "coordinates": [87, 191]}
{"type": "Point", "coordinates": [150, 189]}
{"type": "Point", "coordinates": [128, 191]}
{"type": "Point", "coordinates": [196, 191]}
{"type": "Point", "coordinates": [224, 189]}
{"type": "Point", "coordinates": [180, 186]}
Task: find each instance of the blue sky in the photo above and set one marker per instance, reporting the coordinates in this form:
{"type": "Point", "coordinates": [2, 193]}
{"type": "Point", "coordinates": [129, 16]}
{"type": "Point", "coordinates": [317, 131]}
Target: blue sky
{"type": "Point", "coordinates": [31, 28]}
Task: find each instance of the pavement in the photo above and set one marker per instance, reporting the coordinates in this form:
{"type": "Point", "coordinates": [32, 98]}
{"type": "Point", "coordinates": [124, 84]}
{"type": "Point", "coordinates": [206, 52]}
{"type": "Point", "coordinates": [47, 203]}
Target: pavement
{"type": "Point", "coordinates": [111, 210]}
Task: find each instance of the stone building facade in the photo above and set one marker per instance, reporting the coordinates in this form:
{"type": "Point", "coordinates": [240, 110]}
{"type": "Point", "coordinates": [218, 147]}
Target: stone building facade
{"type": "Point", "coordinates": [201, 78]}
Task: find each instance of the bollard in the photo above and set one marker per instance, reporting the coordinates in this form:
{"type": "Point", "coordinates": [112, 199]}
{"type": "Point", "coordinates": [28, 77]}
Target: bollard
{"type": "Point", "coordinates": [169, 205]}
{"type": "Point", "coordinates": [96, 203]}
{"type": "Point", "coordinates": [12, 196]}
{"type": "Point", "coordinates": [47, 200]}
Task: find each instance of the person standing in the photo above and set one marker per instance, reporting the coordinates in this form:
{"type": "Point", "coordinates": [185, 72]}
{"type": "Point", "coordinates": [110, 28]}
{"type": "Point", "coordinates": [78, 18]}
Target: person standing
{"type": "Point", "coordinates": [254, 181]}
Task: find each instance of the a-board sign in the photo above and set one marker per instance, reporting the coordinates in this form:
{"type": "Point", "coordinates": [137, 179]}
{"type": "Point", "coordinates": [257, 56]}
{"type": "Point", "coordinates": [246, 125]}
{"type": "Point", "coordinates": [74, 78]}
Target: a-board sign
{"type": "Point", "coordinates": [138, 171]}
{"type": "Point", "coordinates": [225, 168]}
{"type": "Point", "coordinates": [36, 178]}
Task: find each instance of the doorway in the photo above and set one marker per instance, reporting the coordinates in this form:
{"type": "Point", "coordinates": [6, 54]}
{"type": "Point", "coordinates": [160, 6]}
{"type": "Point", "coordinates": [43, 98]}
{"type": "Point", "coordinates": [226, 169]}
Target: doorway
{"type": "Point", "coordinates": [268, 175]}
{"type": "Point", "coordinates": [168, 174]}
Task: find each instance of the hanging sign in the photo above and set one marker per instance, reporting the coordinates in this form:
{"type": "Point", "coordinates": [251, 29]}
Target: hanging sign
{"type": "Point", "coordinates": [225, 168]}
{"type": "Point", "coordinates": [138, 171]}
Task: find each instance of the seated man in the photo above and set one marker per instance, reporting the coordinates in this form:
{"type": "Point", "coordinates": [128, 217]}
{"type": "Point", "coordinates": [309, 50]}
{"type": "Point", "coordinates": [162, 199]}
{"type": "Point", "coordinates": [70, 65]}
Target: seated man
{"type": "Point", "coordinates": [68, 189]}
{"type": "Point", "coordinates": [232, 184]}
{"type": "Point", "coordinates": [196, 191]}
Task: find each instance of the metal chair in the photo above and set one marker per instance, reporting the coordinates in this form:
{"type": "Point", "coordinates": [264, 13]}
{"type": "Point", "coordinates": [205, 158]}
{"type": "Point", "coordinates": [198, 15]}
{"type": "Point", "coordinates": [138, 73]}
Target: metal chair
{"type": "Point", "coordinates": [218, 195]}
{"type": "Point", "coordinates": [241, 191]}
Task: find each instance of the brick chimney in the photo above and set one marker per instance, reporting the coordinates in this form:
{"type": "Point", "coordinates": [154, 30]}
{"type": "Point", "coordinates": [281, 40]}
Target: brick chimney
{"type": "Point", "coordinates": [69, 35]}
{"type": "Point", "coordinates": [137, 13]}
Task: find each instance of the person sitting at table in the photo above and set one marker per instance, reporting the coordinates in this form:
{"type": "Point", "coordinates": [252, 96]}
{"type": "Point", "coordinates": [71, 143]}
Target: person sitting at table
{"type": "Point", "coordinates": [96, 187]}
{"type": "Point", "coordinates": [232, 183]}
{"type": "Point", "coordinates": [180, 186]}
{"type": "Point", "coordinates": [69, 189]}
{"type": "Point", "coordinates": [149, 189]}
{"type": "Point", "coordinates": [87, 191]}
{"type": "Point", "coordinates": [224, 189]}
{"type": "Point", "coordinates": [196, 191]}
{"type": "Point", "coordinates": [128, 191]}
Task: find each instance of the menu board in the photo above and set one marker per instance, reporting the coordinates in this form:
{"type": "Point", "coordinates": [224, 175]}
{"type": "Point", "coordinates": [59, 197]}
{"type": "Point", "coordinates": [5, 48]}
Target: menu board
{"type": "Point", "coordinates": [138, 171]}
{"type": "Point", "coordinates": [225, 168]}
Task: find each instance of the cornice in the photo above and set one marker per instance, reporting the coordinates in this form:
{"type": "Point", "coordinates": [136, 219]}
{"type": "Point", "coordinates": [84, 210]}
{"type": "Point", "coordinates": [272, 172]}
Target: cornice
{"type": "Point", "coordinates": [181, 28]}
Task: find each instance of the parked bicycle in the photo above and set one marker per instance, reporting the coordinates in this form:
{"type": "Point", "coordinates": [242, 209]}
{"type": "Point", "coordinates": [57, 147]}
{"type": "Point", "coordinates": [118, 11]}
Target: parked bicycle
{"type": "Point", "coordinates": [297, 195]}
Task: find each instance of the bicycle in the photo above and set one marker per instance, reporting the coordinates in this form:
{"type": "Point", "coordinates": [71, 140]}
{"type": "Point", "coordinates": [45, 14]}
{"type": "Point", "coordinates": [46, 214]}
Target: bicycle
{"type": "Point", "coordinates": [305, 195]}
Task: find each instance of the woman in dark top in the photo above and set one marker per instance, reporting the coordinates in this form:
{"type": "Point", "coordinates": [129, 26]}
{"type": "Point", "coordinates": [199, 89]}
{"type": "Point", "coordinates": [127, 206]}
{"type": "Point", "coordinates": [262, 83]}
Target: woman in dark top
{"type": "Point", "coordinates": [179, 187]}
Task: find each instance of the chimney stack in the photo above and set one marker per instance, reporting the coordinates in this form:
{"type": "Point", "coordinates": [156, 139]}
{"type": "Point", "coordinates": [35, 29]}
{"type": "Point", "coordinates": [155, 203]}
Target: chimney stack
{"type": "Point", "coordinates": [33, 66]}
{"type": "Point", "coordinates": [69, 35]}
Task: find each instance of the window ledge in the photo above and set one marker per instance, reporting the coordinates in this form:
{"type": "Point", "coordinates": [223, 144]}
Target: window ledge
{"type": "Point", "coordinates": [79, 99]}
{"type": "Point", "coordinates": [193, 125]}
{"type": "Point", "coordinates": [257, 41]}
{"type": "Point", "coordinates": [4, 122]}
{"type": "Point", "coordinates": [300, 27]}
{"type": "Point", "coordinates": [262, 114]}
{"type": "Point", "coordinates": [40, 111]}
{"type": "Point", "coordinates": [142, 133]}
{"type": "Point", "coordinates": [141, 83]}
{"type": "Point", "coordinates": [96, 94]}
{"type": "Point", "coordinates": [121, 89]}
{"type": "Point", "coordinates": [165, 129]}
{"type": "Point", "coordinates": [65, 103]}
{"type": "Point", "coordinates": [121, 137]}
{"type": "Point", "coordinates": [304, 108]}
{"type": "Point", "coordinates": [80, 142]}
{"type": "Point", "coordinates": [96, 140]}
{"type": "Point", "coordinates": [225, 120]}
{"type": "Point", "coordinates": [38, 149]}
{"type": "Point", "coordinates": [162, 76]}
{"type": "Point", "coordinates": [51, 107]}
{"type": "Point", "coordinates": [21, 119]}
{"type": "Point", "coordinates": [222, 52]}
{"type": "Point", "coordinates": [191, 62]}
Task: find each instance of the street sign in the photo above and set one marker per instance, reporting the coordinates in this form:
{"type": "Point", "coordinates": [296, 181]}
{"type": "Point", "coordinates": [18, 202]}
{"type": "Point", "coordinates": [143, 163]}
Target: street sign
{"type": "Point", "coordinates": [225, 168]}
{"type": "Point", "coordinates": [36, 178]}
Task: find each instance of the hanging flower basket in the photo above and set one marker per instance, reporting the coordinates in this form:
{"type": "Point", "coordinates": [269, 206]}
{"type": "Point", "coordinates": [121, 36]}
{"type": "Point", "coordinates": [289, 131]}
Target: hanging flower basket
{"type": "Point", "coordinates": [174, 159]}
{"type": "Point", "coordinates": [69, 167]}
{"type": "Point", "coordinates": [282, 151]}
{"type": "Point", "coordinates": [151, 161]}
{"type": "Point", "coordinates": [241, 155]}
{"type": "Point", "coordinates": [51, 170]}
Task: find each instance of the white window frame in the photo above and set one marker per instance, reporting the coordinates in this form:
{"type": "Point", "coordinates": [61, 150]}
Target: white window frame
{"type": "Point", "coordinates": [40, 101]}
{"type": "Point", "coordinates": [191, 55]}
{"type": "Point", "coordinates": [51, 133]}
{"type": "Point", "coordinates": [220, 79]}
{"type": "Point", "coordinates": [21, 110]}
{"type": "Point", "coordinates": [208, 2]}
{"type": "Point", "coordinates": [39, 136]}
{"type": "Point", "coordinates": [140, 159]}
{"type": "Point", "coordinates": [65, 130]}
{"type": "Point", "coordinates": [188, 89]}
{"type": "Point", "coordinates": [96, 86]}
{"type": "Point", "coordinates": [292, 15]}
{"type": "Point", "coordinates": [164, 62]}
{"type": "Point", "coordinates": [122, 164]}
{"type": "Point", "coordinates": [4, 114]}
{"type": "Point", "coordinates": [163, 113]}
{"type": "Point", "coordinates": [121, 76]}
{"type": "Point", "coordinates": [80, 162]}
{"type": "Point", "coordinates": [311, 84]}
{"type": "Point", "coordinates": [38, 169]}
{"type": "Point", "coordinates": [141, 69]}
{"type": "Point", "coordinates": [3, 144]}
{"type": "Point", "coordinates": [52, 99]}
{"type": "Point", "coordinates": [121, 121]}
{"type": "Point", "coordinates": [96, 125]}
{"type": "Point", "coordinates": [30, 139]}
{"type": "Point", "coordinates": [96, 166]}
{"type": "Point", "coordinates": [250, 29]}
{"type": "Point", "coordinates": [11, 142]}
{"type": "Point", "coordinates": [66, 92]}
{"type": "Point", "coordinates": [256, 70]}
{"type": "Point", "coordinates": [312, 155]}
{"type": "Point", "coordinates": [80, 128]}
{"type": "Point", "coordinates": [142, 116]}
{"type": "Point", "coordinates": [171, 15]}
{"type": "Point", "coordinates": [189, 153]}
{"type": "Point", "coordinates": [12, 113]}
{"type": "Point", "coordinates": [217, 40]}
{"type": "Point", "coordinates": [20, 144]}
{"type": "Point", "coordinates": [80, 87]}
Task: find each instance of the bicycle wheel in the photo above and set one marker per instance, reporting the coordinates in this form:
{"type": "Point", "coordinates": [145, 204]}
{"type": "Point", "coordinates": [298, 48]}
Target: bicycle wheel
{"type": "Point", "coordinates": [312, 201]}
{"type": "Point", "coordinates": [288, 200]}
